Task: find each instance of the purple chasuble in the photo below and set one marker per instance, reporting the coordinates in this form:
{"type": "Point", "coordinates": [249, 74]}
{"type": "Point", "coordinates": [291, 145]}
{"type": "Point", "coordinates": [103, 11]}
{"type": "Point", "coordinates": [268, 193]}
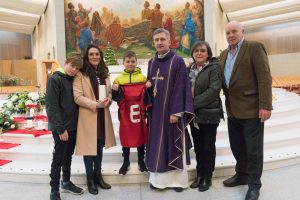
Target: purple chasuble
{"type": "Point", "coordinates": [171, 95]}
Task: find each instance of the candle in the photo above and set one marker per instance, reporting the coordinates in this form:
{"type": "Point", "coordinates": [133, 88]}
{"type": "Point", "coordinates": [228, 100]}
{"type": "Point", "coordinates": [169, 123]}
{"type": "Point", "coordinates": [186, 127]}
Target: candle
{"type": "Point", "coordinates": [40, 124]}
{"type": "Point", "coordinates": [29, 123]}
{"type": "Point", "coordinates": [102, 92]}
{"type": "Point", "coordinates": [44, 112]}
{"type": "Point", "coordinates": [31, 112]}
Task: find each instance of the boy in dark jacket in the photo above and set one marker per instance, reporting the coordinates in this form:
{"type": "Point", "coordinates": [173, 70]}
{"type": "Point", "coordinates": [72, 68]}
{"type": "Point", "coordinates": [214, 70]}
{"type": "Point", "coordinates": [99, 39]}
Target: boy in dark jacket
{"type": "Point", "coordinates": [62, 115]}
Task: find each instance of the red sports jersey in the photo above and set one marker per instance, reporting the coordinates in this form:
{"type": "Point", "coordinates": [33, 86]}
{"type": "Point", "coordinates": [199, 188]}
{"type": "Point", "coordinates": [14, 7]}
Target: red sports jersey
{"type": "Point", "coordinates": [133, 128]}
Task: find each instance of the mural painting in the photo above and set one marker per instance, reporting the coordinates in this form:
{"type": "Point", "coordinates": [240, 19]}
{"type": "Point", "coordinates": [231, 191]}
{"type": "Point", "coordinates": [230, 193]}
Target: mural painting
{"type": "Point", "coordinates": [128, 25]}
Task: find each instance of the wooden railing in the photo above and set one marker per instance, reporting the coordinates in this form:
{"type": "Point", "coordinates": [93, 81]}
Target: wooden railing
{"type": "Point", "coordinates": [290, 83]}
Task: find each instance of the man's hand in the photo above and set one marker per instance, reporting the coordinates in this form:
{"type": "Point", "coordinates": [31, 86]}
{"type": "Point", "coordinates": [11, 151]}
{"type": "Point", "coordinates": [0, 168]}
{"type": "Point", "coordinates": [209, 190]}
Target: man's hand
{"type": "Point", "coordinates": [264, 115]}
{"type": "Point", "coordinates": [173, 119]}
{"type": "Point", "coordinates": [64, 136]}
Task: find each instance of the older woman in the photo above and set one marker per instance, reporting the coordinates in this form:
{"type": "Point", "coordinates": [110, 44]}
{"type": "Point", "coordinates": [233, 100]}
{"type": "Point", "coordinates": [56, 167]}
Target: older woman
{"type": "Point", "coordinates": [205, 74]}
{"type": "Point", "coordinates": [94, 129]}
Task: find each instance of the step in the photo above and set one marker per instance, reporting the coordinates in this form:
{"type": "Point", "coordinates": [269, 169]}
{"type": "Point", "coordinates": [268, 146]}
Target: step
{"type": "Point", "coordinates": [25, 171]}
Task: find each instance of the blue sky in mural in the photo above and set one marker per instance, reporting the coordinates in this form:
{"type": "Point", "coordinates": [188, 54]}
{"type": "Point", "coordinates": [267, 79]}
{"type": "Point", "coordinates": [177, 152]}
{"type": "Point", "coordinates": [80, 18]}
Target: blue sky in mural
{"type": "Point", "coordinates": [130, 8]}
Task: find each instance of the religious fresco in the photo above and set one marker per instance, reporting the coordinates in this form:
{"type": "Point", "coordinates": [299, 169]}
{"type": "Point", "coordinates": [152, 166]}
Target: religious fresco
{"type": "Point", "coordinates": [128, 25]}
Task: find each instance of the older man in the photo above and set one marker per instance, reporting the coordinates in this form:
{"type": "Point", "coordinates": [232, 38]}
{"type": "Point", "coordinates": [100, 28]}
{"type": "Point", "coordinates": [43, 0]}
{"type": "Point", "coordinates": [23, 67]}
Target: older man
{"type": "Point", "coordinates": [172, 109]}
{"type": "Point", "coordinates": [248, 90]}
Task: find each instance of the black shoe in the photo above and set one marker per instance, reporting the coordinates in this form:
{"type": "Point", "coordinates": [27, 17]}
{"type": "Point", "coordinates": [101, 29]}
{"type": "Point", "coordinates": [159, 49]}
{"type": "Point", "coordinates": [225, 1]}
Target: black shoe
{"type": "Point", "coordinates": [153, 188]}
{"type": "Point", "coordinates": [178, 189]}
{"type": "Point", "coordinates": [142, 166]}
{"type": "Point", "coordinates": [204, 184]}
{"type": "Point", "coordinates": [252, 194]}
{"type": "Point", "coordinates": [92, 188]}
{"type": "Point", "coordinates": [124, 168]}
{"type": "Point", "coordinates": [100, 182]}
{"type": "Point", "coordinates": [70, 188]}
{"type": "Point", "coordinates": [234, 181]}
{"type": "Point", "coordinates": [55, 196]}
{"type": "Point", "coordinates": [196, 182]}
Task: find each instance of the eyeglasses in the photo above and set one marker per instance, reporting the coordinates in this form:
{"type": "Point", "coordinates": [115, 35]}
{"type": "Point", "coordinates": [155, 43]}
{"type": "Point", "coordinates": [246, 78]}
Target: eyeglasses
{"type": "Point", "coordinates": [200, 50]}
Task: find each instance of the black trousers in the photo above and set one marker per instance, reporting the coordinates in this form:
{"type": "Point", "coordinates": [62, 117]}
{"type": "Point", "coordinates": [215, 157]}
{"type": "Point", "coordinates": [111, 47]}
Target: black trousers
{"type": "Point", "coordinates": [62, 158]}
{"type": "Point", "coordinates": [140, 150]}
{"type": "Point", "coordinates": [93, 163]}
{"type": "Point", "coordinates": [246, 138]}
{"type": "Point", "coordinates": [204, 140]}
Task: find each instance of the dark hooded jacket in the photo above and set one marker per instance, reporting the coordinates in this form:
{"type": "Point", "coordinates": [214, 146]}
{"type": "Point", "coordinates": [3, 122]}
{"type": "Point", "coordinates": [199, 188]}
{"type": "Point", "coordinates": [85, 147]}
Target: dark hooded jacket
{"type": "Point", "coordinates": [61, 109]}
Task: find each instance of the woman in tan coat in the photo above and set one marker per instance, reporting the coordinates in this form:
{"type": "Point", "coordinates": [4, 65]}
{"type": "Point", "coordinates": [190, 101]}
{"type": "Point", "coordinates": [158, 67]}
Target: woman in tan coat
{"type": "Point", "coordinates": [94, 129]}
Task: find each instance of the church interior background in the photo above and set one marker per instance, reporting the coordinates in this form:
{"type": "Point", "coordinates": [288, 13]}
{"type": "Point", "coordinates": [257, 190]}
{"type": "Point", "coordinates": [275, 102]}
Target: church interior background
{"type": "Point", "coordinates": [36, 36]}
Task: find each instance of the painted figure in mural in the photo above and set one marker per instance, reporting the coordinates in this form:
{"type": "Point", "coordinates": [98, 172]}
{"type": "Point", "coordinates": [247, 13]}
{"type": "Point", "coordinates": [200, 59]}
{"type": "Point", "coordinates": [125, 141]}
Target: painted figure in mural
{"type": "Point", "coordinates": [198, 17]}
{"type": "Point", "coordinates": [97, 23]}
{"type": "Point", "coordinates": [107, 16]}
{"type": "Point", "coordinates": [80, 25]}
{"type": "Point", "coordinates": [71, 26]}
{"type": "Point", "coordinates": [155, 18]}
{"type": "Point", "coordinates": [188, 37]}
{"type": "Point", "coordinates": [206, 78]}
{"type": "Point", "coordinates": [94, 127]}
{"type": "Point", "coordinates": [172, 109]}
{"type": "Point", "coordinates": [168, 25]}
{"type": "Point", "coordinates": [83, 13]}
{"type": "Point", "coordinates": [114, 33]}
{"type": "Point", "coordinates": [247, 87]}
{"type": "Point", "coordinates": [86, 37]}
{"type": "Point", "coordinates": [146, 11]}
{"type": "Point", "coordinates": [97, 27]}
{"type": "Point", "coordinates": [186, 10]}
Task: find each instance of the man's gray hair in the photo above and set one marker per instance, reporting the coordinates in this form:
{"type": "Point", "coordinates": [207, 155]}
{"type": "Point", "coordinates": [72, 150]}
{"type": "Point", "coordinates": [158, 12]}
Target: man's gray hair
{"type": "Point", "coordinates": [162, 30]}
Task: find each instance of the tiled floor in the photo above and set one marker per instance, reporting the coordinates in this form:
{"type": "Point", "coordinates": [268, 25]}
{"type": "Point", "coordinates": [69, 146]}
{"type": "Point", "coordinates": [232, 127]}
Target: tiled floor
{"type": "Point", "coordinates": [278, 184]}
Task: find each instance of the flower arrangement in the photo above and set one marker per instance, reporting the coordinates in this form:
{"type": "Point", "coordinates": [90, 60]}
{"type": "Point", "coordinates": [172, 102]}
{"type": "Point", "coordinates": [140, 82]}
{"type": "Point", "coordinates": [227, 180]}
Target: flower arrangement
{"type": "Point", "coordinates": [18, 102]}
{"type": "Point", "coordinates": [6, 122]}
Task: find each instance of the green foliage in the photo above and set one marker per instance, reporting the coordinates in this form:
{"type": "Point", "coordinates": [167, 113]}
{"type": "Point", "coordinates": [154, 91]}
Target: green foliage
{"type": "Point", "coordinates": [6, 122]}
{"type": "Point", "coordinates": [18, 101]}
{"type": "Point", "coordinates": [110, 56]}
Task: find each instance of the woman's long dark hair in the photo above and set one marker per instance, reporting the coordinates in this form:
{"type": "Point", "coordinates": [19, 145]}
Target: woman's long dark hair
{"type": "Point", "coordinates": [89, 70]}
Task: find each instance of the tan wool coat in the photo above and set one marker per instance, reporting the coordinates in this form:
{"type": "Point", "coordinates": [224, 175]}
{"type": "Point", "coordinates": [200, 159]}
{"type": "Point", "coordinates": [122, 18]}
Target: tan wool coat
{"type": "Point", "coordinates": [86, 141]}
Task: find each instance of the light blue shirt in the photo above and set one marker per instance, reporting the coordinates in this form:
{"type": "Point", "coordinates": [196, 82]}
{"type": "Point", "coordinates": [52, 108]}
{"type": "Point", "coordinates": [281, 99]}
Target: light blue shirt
{"type": "Point", "coordinates": [230, 60]}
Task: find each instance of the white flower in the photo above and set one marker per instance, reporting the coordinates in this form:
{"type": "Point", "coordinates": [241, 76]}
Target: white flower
{"type": "Point", "coordinates": [6, 123]}
{"type": "Point", "coordinates": [12, 126]}
{"type": "Point", "coordinates": [28, 102]}
{"type": "Point", "coordinates": [14, 98]}
{"type": "Point", "coordinates": [33, 95]}
{"type": "Point", "coordinates": [9, 104]}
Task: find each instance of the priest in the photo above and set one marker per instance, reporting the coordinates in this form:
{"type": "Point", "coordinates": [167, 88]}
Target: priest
{"type": "Point", "coordinates": [168, 143]}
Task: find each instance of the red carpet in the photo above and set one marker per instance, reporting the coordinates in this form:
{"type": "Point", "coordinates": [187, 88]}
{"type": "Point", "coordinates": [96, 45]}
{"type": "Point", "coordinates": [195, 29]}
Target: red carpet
{"type": "Point", "coordinates": [35, 133]}
{"type": "Point", "coordinates": [3, 162]}
{"type": "Point", "coordinates": [5, 145]}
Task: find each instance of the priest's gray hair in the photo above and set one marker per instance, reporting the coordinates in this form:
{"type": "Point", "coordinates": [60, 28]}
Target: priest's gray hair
{"type": "Point", "coordinates": [162, 30]}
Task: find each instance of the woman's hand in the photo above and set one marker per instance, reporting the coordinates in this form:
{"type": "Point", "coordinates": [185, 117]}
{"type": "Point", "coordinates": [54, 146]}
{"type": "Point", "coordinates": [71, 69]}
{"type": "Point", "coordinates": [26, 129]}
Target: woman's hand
{"type": "Point", "coordinates": [103, 103]}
